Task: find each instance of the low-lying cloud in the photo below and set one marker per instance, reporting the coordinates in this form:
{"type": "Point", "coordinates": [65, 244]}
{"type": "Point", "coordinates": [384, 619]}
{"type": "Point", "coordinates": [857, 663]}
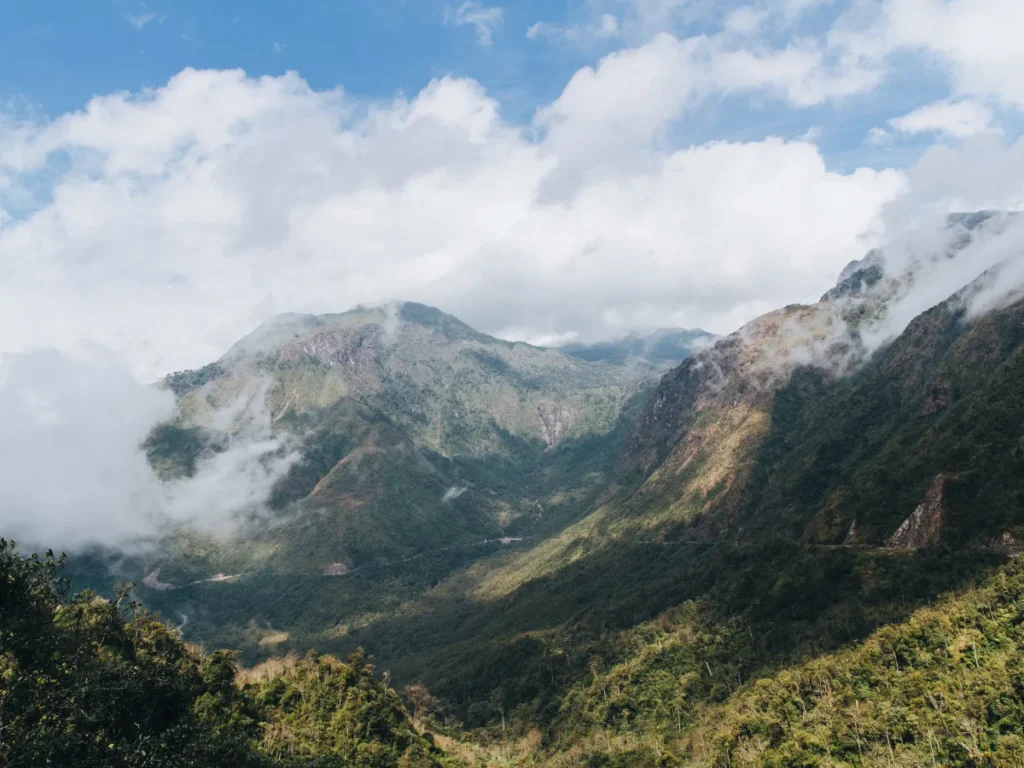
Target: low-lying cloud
{"type": "Point", "coordinates": [958, 234]}
{"type": "Point", "coordinates": [74, 472]}
{"type": "Point", "coordinates": [453, 493]}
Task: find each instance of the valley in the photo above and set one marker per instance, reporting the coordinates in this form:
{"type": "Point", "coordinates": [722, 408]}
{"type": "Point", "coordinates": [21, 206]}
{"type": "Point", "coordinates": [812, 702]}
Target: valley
{"type": "Point", "coordinates": [468, 384]}
{"type": "Point", "coordinates": [607, 554]}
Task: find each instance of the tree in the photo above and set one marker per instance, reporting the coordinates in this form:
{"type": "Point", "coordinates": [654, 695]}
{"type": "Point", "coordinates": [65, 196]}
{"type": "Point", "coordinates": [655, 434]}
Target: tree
{"type": "Point", "coordinates": [423, 704]}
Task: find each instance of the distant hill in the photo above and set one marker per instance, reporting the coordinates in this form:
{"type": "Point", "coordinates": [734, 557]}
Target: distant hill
{"type": "Point", "coordinates": [666, 346]}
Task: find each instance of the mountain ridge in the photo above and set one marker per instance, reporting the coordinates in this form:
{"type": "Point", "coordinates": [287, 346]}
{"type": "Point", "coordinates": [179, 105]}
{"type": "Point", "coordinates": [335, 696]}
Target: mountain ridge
{"type": "Point", "coordinates": [784, 494]}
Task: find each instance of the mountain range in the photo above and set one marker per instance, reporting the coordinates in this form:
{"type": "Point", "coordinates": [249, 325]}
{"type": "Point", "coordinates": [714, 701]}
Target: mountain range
{"type": "Point", "coordinates": [678, 550]}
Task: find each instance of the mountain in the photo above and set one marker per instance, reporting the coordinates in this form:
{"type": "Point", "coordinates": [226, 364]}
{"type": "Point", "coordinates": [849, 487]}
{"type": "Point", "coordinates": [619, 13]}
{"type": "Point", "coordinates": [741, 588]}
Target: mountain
{"type": "Point", "coordinates": [665, 346]}
{"type": "Point", "coordinates": [397, 431]}
{"type": "Point", "coordinates": [793, 548]}
{"type": "Point", "coordinates": [787, 492]}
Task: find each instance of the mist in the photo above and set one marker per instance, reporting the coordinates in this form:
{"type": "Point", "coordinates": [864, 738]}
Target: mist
{"type": "Point", "coordinates": [75, 474]}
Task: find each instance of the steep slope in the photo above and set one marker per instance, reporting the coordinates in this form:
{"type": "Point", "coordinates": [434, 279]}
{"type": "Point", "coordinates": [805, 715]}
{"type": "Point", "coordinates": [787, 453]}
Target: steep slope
{"type": "Point", "coordinates": [794, 426]}
{"type": "Point", "coordinates": [823, 472]}
{"type": "Point", "coordinates": [942, 688]}
{"type": "Point", "coordinates": [394, 445]}
{"type": "Point", "coordinates": [411, 430]}
{"type": "Point", "coordinates": [792, 481]}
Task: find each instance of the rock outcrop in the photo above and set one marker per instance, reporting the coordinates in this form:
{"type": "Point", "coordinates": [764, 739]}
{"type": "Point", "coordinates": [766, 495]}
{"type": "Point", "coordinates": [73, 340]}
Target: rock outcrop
{"type": "Point", "coordinates": [924, 526]}
{"type": "Point", "coordinates": [554, 418]}
{"type": "Point", "coordinates": [1008, 544]}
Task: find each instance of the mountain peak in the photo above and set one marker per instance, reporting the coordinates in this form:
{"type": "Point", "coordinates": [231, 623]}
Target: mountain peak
{"type": "Point", "coordinates": [288, 328]}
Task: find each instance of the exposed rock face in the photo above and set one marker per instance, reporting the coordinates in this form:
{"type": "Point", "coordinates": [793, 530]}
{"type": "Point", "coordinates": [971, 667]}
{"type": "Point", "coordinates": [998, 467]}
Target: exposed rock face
{"type": "Point", "coordinates": [554, 418]}
{"type": "Point", "coordinates": [1008, 544]}
{"type": "Point", "coordinates": [342, 347]}
{"type": "Point", "coordinates": [336, 569]}
{"type": "Point", "coordinates": [857, 277]}
{"type": "Point", "coordinates": [851, 535]}
{"type": "Point", "coordinates": [924, 526]}
{"type": "Point", "coordinates": [741, 372]}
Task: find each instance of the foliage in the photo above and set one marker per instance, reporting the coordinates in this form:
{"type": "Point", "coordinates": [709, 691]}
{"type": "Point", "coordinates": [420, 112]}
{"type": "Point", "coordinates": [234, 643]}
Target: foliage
{"type": "Point", "coordinates": [942, 688]}
{"type": "Point", "coordinates": [183, 382]}
{"type": "Point", "coordinates": [90, 682]}
{"type": "Point", "coordinates": [173, 450]}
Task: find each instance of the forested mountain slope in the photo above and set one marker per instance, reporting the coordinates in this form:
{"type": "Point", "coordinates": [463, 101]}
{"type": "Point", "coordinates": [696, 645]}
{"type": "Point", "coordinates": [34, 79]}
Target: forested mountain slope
{"type": "Point", "coordinates": [410, 432]}
{"type": "Point", "coordinates": [786, 506]}
{"type": "Point", "coordinates": [90, 682]}
{"type": "Point", "coordinates": [784, 494]}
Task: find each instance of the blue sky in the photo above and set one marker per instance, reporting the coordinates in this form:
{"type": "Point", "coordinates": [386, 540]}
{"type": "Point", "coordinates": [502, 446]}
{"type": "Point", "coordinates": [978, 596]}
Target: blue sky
{"type": "Point", "coordinates": [66, 51]}
{"type": "Point", "coordinates": [173, 173]}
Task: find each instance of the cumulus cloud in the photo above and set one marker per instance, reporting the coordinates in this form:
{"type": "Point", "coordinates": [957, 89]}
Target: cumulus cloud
{"type": "Point", "coordinates": [175, 220]}
{"type": "Point", "coordinates": [483, 20]}
{"type": "Point", "coordinates": [977, 41]}
{"type": "Point", "coordinates": [74, 472]}
{"type": "Point", "coordinates": [958, 119]}
{"type": "Point", "coordinates": [973, 42]}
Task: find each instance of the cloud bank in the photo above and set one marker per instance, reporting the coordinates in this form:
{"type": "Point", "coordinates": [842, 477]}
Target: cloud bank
{"type": "Point", "coordinates": [74, 472]}
{"type": "Point", "coordinates": [168, 223]}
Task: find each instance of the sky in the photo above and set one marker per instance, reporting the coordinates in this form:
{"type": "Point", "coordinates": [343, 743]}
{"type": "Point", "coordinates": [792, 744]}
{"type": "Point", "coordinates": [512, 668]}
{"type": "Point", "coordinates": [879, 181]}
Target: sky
{"type": "Point", "coordinates": [172, 174]}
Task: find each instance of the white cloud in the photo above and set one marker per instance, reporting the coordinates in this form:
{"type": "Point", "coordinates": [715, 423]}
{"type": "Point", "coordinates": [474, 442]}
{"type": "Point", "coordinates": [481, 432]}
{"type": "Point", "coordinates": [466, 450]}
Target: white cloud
{"type": "Point", "coordinates": [745, 21]}
{"type": "Point", "coordinates": [604, 27]}
{"type": "Point", "coordinates": [982, 173]}
{"type": "Point", "coordinates": [182, 217]}
{"type": "Point", "coordinates": [483, 20]}
{"type": "Point", "coordinates": [72, 468]}
{"type": "Point", "coordinates": [74, 472]}
{"type": "Point", "coordinates": [958, 119]}
{"type": "Point", "coordinates": [978, 39]}
{"type": "Point", "coordinates": [602, 109]}
{"type": "Point", "coordinates": [976, 42]}
{"type": "Point", "coordinates": [878, 137]}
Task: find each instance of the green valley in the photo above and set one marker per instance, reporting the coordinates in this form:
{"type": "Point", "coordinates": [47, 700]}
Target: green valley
{"type": "Point", "coordinates": [788, 549]}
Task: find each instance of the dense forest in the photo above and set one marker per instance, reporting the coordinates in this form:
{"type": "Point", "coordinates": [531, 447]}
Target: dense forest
{"type": "Point", "coordinates": [87, 681]}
